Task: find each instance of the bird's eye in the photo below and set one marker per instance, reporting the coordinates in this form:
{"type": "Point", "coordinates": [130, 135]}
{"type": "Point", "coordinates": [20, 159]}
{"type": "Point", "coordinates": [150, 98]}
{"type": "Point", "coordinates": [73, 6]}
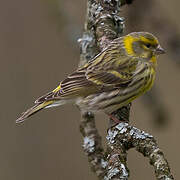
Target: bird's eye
{"type": "Point", "coordinates": [148, 45]}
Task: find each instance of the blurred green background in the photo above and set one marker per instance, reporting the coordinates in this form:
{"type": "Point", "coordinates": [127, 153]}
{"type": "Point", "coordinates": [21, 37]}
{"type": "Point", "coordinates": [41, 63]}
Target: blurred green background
{"type": "Point", "coordinates": [38, 48]}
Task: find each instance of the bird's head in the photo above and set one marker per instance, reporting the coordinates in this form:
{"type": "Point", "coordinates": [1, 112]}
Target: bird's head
{"type": "Point", "coordinates": [142, 45]}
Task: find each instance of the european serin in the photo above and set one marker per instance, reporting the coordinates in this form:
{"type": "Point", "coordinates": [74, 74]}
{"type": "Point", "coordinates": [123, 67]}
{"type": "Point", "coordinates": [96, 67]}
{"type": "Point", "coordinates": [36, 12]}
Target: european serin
{"type": "Point", "coordinates": [124, 70]}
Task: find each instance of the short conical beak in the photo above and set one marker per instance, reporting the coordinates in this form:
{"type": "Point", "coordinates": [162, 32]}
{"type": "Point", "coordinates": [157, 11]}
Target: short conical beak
{"type": "Point", "coordinates": [159, 50]}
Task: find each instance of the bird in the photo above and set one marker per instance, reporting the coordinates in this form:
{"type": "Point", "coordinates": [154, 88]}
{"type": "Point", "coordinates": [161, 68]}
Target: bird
{"type": "Point", "coordinates": [120, 73]}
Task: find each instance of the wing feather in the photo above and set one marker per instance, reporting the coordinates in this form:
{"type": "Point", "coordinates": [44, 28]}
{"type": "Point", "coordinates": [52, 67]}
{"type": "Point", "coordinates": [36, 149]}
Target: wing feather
{"type": "Point", "coordinates": [74, 85]}
{"type": "Point", "coordinates": [108, 78]}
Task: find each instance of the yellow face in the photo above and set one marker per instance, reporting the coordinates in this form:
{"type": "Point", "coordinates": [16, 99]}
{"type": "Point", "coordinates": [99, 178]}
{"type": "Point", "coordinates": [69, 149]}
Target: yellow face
{"type": "Point", "coordinates": [142, 45]}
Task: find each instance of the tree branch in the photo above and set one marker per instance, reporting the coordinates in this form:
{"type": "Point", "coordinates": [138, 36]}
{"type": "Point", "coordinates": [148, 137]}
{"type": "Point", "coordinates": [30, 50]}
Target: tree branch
{"type": "Point", "coordinates": [103, 24]}
{"type": "Point", "coordinates": [127, 137]}
{"type": "Point", "coordinates": [92, 145]}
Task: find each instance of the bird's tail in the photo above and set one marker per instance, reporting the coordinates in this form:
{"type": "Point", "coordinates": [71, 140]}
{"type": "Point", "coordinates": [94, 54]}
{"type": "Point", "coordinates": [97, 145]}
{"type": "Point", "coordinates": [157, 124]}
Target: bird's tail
{"type": "Point", "coordinates": [33, 110]}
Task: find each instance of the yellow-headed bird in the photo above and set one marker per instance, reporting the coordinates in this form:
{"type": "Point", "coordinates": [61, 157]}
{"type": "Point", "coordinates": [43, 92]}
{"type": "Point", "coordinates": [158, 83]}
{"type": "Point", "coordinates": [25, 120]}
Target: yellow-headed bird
{"type": "Point", "coordinates": [124, 70]}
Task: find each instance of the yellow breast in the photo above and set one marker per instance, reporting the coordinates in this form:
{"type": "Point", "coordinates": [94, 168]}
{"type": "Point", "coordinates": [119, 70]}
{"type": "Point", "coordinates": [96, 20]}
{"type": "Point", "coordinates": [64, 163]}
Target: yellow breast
{"type": "Point", "coordinates": [151, 73]}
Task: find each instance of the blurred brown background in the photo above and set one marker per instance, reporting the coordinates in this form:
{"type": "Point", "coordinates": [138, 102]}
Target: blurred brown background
{"type": "Point", "coordinates": [38, 48]}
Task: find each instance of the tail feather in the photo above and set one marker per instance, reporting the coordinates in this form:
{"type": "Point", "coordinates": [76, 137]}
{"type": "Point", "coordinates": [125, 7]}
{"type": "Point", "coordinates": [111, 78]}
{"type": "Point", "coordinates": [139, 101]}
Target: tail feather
{"type": "Point", "coordinates": [33, 110]}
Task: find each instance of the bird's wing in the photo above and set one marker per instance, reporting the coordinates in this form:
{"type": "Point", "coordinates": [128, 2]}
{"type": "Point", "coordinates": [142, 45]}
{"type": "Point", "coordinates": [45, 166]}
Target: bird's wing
{"type": "Point", "coordinates": [109, 77]}
{"type": "Point", "coordinates": [83, 83]}
{"type": "Point", "coordinates": [73, 86]}
{"type": "Point", "coordinates": [110, 69]}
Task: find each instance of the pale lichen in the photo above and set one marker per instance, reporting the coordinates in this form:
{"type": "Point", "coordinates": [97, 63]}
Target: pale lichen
{"type": "Point", "coordinates": [122, 127]}
{"type": "Point", "coordinates": [104, 163]}
{"type": "Point", "coordinates": [166, 178]}
{"type": "Point", "coordinates": [111, 172]}
{"type": "Point", "coordinates": [138, 134]}
{"type": "Point", "coordinates": [111, 136]}
{"type": "Point", "coordinates": [107, 1]}
{"type": "Point", "coordinates": [85, 41]}
{"type": "Point", "coordinates": [124, 174]}
{"type": "Point", "coordinates": [95, 10]}
{"type": "Point", "coordinates": [89, 144]}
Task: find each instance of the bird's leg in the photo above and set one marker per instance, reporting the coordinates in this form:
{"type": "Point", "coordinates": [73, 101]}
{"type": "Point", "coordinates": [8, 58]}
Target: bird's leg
{"type": "Point", "coordinates": [120, 115]}
{"type": "Point", "coordinates": [113, 120]}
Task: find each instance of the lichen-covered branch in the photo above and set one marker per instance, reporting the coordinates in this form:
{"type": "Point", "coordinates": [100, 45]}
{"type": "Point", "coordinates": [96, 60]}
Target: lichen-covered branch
{"type": "Point", "coordinates": [125, 137]}
{"type": "Point", "coordinates": [92, 144]}
{"type": "Point", "coordinates": [103, 24]}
